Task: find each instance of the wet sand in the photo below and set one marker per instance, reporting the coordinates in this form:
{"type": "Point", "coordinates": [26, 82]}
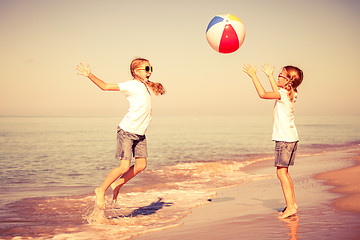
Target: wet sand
{"type": "Point", "coordinates": [328, 203]}
{"type": "Point", "coordinates": [347, 183]}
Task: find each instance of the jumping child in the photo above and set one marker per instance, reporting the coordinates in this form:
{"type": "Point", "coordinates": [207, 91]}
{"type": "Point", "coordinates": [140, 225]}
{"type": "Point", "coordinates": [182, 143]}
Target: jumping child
{"type": "Point", "coordinates": [284, 131]}
{"type": "Point", "coordinates": [131, 140]}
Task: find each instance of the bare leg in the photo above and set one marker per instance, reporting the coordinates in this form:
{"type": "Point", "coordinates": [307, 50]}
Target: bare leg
{"type": "Point", "coordinates": [288, 190]}
{"type": "Point", "coordinates": [293, 192]}
{"type": "Point", "coordinates": [140, 165]}
{"type": "Point", "coordinates": [112, 176]}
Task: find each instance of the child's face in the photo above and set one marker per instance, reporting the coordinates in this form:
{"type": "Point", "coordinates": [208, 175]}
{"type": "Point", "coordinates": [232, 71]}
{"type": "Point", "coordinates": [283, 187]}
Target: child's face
{"type": "Point", "coordinates": [144, 71]}
{"type": "Point", "coordinates": [282, 79]}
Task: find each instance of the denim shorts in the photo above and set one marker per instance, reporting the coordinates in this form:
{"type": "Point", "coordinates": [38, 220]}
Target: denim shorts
{"type": "Point", "coordinates": [130, 145]}
{"type": "Point", "coordinates": [285, 153]}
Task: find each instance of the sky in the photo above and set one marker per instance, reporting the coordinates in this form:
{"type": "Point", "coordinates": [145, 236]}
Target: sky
{"type": "Point", "coordinates": [42, 42]}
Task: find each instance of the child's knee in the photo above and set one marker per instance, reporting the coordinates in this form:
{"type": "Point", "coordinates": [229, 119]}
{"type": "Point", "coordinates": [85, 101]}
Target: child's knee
{"type": "Point", "coordinates": [140, 165]}
{"type": "Point", "coordinates": [124, 166]}
{"type": "Point", "coordinates": [281, 173]}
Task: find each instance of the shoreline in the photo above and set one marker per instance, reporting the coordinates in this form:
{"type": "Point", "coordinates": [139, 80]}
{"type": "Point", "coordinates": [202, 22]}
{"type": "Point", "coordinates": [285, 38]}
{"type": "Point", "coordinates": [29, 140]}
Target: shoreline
{"type": "Point", "coordinates": [251, 210]}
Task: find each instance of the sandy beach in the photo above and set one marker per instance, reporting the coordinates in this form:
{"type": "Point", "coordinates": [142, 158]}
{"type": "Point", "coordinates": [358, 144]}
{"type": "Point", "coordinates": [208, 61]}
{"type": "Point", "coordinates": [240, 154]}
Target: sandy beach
{"type": "Point", "coordinates": [328, 201]}
{"type": "Point", "coordinates": [347, 183]}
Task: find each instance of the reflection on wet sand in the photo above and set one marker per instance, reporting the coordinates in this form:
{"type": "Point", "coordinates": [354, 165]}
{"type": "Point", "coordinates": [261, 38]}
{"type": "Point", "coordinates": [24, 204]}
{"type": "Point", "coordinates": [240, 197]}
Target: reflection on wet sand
{"type": "Point", "coordinates": [293, 224]}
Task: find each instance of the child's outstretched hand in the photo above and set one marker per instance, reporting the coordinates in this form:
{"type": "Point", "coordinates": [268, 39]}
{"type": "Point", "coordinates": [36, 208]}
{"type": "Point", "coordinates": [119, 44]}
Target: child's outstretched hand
{"type": "Point", "coordinates": [83, 70]}
{"type": "Point", "coordinates": [268, 70]}
{"type": "Point", "coordinates": [250, 70]}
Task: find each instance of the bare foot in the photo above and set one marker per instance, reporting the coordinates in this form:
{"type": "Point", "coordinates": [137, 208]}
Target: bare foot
{"type": "Point", "coordinates": [296, 207]}
{"type": "Point", "coordinates": [100, 198]}
{"type": "Point", "coordinates": [288, 212]}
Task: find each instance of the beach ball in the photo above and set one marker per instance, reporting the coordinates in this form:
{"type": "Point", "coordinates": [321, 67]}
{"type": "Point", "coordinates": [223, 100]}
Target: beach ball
{"type": "Point", "coordinates": [225, 33]}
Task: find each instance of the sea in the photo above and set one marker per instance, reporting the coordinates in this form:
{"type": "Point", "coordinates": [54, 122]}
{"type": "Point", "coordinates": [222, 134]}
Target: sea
{"type": "Point", "coordinates": [50, 166]}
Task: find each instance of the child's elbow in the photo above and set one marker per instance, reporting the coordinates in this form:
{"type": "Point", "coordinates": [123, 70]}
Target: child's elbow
{"type": "Point", "coordinates": [262, 95]}
{"type": "Point", "coordinates": [105, 87]}
{"type": "Point", "coordinates": [109, 87]}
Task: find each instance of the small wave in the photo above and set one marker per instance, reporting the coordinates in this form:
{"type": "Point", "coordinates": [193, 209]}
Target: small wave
{"type": "Point", "coordinates": [156, 200]}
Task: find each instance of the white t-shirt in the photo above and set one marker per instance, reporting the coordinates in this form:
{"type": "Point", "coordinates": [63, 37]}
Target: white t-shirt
{"type": "Point", "coordinates": [138, 117]}
{"type": "Point", "coordinates": [284, 128]}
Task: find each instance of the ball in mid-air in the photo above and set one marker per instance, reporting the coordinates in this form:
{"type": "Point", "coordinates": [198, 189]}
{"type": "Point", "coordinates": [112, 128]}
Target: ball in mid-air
{"type": "Point", "coordinates": [225, 33]}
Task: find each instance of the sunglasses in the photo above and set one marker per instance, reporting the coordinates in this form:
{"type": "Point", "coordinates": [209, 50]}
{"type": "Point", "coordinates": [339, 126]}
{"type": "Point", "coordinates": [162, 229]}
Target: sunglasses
{"type": "Point", "coordinates": [280, 75]}
{"type": "Point", "coordinates": [147, 69]}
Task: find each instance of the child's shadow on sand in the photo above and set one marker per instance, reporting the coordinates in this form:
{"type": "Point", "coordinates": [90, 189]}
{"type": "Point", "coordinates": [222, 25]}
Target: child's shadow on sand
{"type": "Point", "coordinates": [148, 210]}
{"type": "Point", "coordinates": [272, 204]}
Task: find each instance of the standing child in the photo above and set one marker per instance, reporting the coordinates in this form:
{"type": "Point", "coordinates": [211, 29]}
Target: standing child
{"type": "Point", "coordinates": [284, 130]}
{"type": "Point", "coordinates": [131, 140]}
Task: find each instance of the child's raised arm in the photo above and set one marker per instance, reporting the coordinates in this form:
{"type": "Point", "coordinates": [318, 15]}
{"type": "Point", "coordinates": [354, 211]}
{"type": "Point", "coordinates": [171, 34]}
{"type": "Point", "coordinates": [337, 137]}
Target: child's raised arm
{"type": "Point", "coordinates": [251, 71]}
{"type": "Point", "coordinates": [270, 73]}
{"type": "Point", "coordinates": [85, 70]}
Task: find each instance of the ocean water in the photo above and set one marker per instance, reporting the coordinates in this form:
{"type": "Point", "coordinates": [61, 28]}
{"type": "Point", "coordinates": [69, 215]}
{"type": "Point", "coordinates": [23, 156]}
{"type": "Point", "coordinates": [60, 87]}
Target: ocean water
{"type": "Point", "coordinates": [50, 167]}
